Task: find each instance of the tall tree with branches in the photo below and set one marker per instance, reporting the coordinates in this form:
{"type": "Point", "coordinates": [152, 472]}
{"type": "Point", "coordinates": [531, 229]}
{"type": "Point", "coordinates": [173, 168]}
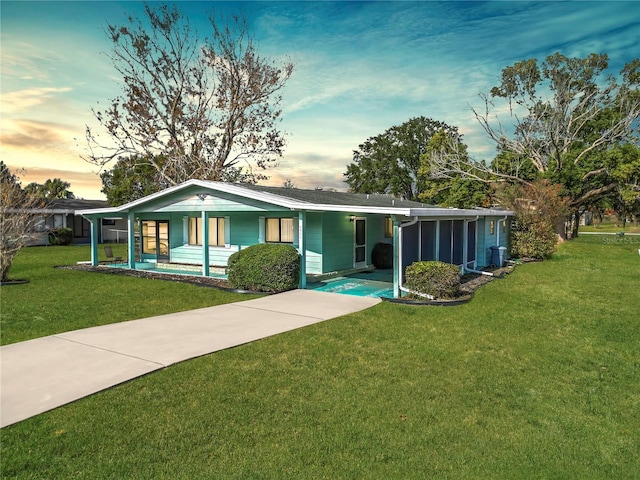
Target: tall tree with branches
{"type": "Point", "coordinates": [390, 162]}
{"type": "Point", "coordinates": [209, 108]}
{"type": "Point", "coordinates": [17, 219]}
{"type": "Point", "coordinates": [565, 114]}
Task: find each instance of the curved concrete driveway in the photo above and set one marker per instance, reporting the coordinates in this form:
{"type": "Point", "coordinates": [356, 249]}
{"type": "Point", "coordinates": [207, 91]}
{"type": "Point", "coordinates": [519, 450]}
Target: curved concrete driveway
{"type": "Point", "coordinates": [45, 373]}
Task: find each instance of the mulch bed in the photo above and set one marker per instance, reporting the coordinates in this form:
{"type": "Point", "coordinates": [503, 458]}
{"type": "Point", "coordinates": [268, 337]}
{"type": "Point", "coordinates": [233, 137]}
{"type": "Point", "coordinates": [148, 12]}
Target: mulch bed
{"type": "Point", "coordinates": [469, 282]}
{"type": "Point", "coordinates": [192, 279]}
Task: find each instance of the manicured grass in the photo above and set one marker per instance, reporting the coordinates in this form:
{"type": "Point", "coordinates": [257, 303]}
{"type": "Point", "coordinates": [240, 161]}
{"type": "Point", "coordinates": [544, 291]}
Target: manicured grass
{"type": "Point", "coordinates": [59, 300]}
{"type": "Point", "coordinates": [610, 226]}
{"type": "Point", "coordinates": [537, 377]}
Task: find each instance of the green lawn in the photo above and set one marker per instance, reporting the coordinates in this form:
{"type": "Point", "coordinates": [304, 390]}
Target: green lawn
{"type": "Point", "coordinates": [611, 225]}
{"type": "Point", "coordinates": [537, 377]}
{"type": "Point", "coordinates": [59, 300]}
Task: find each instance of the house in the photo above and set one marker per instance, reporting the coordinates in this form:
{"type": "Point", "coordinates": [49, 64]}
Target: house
{"type": "Point", "coordinates": [334, 232]}
{"type": "Point", "coordinates": [61, 213]}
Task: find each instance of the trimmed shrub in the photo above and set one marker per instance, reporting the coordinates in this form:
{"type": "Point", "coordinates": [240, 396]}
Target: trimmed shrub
{"type": "Point", "coordinates": [60, 236]}
{"type": "Point", "coordinates": [533, 237]}
{"type": "Point", "coordinates": [266, 267]}
{"type": "Point", "coordinates": [439, 279]}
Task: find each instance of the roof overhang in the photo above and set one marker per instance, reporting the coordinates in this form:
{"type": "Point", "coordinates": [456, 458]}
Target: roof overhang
{"type": "Point", "coordinates": [289, 203]}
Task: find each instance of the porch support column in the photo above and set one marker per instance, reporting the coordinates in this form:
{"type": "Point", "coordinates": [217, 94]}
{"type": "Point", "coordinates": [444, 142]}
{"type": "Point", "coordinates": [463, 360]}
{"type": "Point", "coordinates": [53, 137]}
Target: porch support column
{"type": "Point", "coordinates": [397, 258]}
{"type": "Point", "coordinates": [465, 245]}
{"type": "Point", "coordinates": [205, 244]}
{"type": "Point", "coordinates": [438, 240]}
{"type": "Point", "coordinates": [302, 247]}
{"type": "Point", "coordinates": [94, 240]}
{"type": "Point", "coordinates": [131, 239]}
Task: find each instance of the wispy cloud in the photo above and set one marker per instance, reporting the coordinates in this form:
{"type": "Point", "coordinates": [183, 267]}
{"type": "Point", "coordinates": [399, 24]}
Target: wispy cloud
{"type": "Point", "coordinates": [24, 100]}
{"type": "Point", "coordinates": [33, 135]}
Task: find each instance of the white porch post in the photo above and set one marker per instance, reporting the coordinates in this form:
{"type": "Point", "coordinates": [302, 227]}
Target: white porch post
{"type": "Point", "coordinates": [465, 245]}
{"type": "Point", "coordinates": [302, 247]}
{"type": "Point", "coordinates": [437, 240]}
{"type": "Point", "coordinates": [131, 239]}
{"type": "Point", "coordinates": [475, 254]}
{"type": "Point", "coordinates": [205, 244]}
{"type": "Point", "coordinates": [397, 258]}
{"type": "Point", "coordinates": [94, 240]}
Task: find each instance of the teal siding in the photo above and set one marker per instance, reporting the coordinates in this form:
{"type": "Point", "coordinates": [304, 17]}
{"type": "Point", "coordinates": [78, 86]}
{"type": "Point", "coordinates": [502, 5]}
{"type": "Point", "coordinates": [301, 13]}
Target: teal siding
{"type": "Point", "coordinates": [244, 229]}
{"type": "Point", "coordinates": [192, 254]}
{"type": "Point", "coordinates": [486, 239]}
{"type": "Point", "coordinates": [481, 256]}
{"type": "Point", "coordinates": [188, 201]}
{"type": "Point", "coordinates": [314, 243]}
{"type": "Point", "coordinates": [338, 241]}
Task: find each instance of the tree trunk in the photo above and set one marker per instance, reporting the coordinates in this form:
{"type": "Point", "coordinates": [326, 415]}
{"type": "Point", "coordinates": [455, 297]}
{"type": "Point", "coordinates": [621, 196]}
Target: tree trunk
{"type": "Point", "coordinates": [561, 229]}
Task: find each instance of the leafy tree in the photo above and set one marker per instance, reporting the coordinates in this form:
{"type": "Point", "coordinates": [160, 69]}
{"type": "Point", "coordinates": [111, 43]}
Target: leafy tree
{"type": "Point", "coordinates": [209, 108]}
{"type": "Point", "coordinates": [452, 190]}
{"type": "Point", "coordinates": [389, 162]}
{"type": "Point", "coordinates": [17, 221]}
{"type": "Point", "coordinates": [623, 163]}
{"type": "Point", "coordinates": [132, 178]}
{"type": "Point", "coordinates": [565, 115]}
{"type": "Point", "coordinates": [540, 212]}
{"type": "Point", "coordinates": [50, 189]}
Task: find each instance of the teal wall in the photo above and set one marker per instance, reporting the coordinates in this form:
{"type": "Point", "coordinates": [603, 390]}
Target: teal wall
{"type": "Point", "coordinates": [315, 260]}
{"type": "Point", "coordinates": [329, 235]}
{"type": "Point", "coordinates": [486, 239]}
{"type": "Point", "coordinates": [337, 241]}
{"type": "Point", "coordinates": [243, 230]}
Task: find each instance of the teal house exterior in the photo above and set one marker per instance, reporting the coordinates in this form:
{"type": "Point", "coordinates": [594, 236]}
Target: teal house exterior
{"type": "Point", "coordinates": [200, 224]}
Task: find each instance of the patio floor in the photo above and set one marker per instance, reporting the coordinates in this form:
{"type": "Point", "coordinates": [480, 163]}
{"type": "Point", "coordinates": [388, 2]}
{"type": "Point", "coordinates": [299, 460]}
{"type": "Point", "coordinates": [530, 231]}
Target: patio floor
{"type": "Point", "coordinates": [375, 284]}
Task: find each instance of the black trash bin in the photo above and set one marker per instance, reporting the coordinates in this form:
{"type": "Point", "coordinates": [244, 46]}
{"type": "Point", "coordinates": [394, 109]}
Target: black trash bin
{"type": "Point", "coordinates": [498, 255]}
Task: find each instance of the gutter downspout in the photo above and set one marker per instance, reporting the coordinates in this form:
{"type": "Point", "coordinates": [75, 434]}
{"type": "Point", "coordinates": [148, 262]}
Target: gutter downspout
{"type": "Point", "coordinates": [489, 274]}
{"type": "Point", "coordinates": [465, 268]}
{"type": "Point", "coordinates": [504, 222]}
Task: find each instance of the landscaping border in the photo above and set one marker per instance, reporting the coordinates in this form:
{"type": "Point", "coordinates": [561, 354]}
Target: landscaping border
{"type": "Point", "coordinates": [168, 277]}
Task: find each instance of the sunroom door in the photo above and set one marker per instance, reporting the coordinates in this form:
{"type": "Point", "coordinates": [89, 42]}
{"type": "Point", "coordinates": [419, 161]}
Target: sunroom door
{"type": "Point", "coordinates": [360, 253]}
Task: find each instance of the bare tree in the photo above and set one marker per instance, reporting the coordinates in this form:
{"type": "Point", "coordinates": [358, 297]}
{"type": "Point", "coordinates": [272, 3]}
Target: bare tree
{"type": "Point", "coordinates": [563, 116]}
{"type": "Point", "coordinates": [17, 219]}
{"type": "Point", "coordinates": [209, 108]}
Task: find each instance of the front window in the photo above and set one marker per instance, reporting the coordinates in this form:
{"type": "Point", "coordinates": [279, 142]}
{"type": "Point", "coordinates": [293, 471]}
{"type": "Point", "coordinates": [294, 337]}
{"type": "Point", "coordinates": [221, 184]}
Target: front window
{"type": "Point", "coordinates": [149, 236]}
{"type": "Point", "coordinates": [216, 231]}
{"type": "Point", "coordinates": [279, 230]}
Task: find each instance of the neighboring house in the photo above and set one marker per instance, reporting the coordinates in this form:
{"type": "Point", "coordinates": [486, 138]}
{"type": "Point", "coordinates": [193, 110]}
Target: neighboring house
{"type": "Point", "coordinates": [61, 213]}
{"type": "Point", "coordinates": [334, 232]}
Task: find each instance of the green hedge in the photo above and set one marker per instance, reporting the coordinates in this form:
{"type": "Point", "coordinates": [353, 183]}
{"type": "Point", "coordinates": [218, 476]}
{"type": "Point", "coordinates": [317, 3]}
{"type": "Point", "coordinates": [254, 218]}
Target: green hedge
{"type": "Point", "coordinates": [60, 236]}
{"type": "Point", "coordinates": [266, 267]}
{"type": "Point", "coordinates": [533, 237]}
{"type": "Point", "coordinates": [439, 279]}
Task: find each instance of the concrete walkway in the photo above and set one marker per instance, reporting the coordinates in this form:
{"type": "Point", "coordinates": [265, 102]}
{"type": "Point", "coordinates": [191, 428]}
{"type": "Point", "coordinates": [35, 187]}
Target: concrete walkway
{"type": "Point", "coordinates": [45, 373]}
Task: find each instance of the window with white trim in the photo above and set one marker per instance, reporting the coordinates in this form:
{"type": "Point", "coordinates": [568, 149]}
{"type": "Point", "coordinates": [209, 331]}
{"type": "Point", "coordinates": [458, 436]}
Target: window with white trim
{"type": "Point", "coordinates": [279, 230]}
{"type": "Point", "coordinates": [216, 231]}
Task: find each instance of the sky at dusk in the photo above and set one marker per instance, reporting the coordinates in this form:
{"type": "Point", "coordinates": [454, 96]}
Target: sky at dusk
{"type": "Point", "coordinates": [360, 68]}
